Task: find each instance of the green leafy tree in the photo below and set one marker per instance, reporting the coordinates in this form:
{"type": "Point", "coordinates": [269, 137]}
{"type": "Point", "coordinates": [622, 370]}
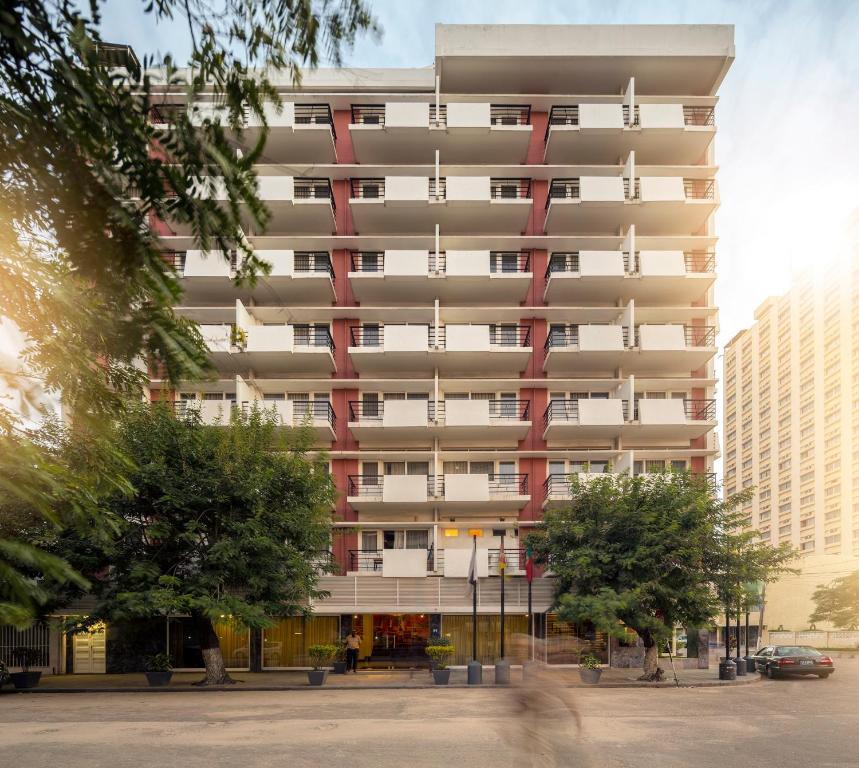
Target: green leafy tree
{"type": "Point", "coordinates": [85, 171]}
{"type": "Point", "coordinates": [223, 520]}
{"type": "Point", "coordinates": [646, 553]}
{"type": "Point", "coordinates": [838, 602]}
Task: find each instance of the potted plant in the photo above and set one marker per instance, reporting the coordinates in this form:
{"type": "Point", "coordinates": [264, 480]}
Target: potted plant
{"type": "Point", "coordinates": [158, 669]}
{"type": "Point", "coordinates": [4, 674]}
{"type": "Point", "coordinates": [25, 658]}
{"type": "Point", "coordinates": [440, 651]}
{"type": "Point", "coordinates": [589, 668]}
{"type": "Point", "coordinates": [340, 658]}
{"type": "Point", "coordinates": [320, 656]}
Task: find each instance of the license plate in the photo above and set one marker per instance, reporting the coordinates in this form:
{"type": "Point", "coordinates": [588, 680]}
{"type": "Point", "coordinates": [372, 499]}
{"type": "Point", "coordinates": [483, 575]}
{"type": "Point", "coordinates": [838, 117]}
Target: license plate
{"type": "Point", "coordinates": [806, 662]}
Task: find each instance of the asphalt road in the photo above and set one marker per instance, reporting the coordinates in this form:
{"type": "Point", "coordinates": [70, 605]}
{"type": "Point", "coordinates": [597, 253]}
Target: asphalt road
{"type": "Point", "coordinates": [784, 723]}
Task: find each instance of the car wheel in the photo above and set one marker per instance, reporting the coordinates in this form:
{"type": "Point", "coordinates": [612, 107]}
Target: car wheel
{"type": "Point", "coordinates": [770, 673]}
{"type": "Point", "coordinates": [824, 675]}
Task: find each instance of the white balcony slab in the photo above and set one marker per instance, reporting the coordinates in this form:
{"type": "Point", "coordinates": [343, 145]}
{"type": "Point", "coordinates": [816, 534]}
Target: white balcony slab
{"type": "Point", "coordinates": [601, 264]}
{"type": "Point", "coordinates": [468, 115]}
{"type": "Point", "coordinates": [269, 338]}
{"type": "Point", "coordinates": [598, 338]}
{"type": "Point", "coordinates": [662, 263]}
{"type": "Point", "coordinates": [467, 264]}
{"type": "Point", "coordinates": [206, 264]}
{"type": "Point", "coordinates": [217, 337]}
{"type": "Point", "coordinates": [404, 562]}
{"type": "Point", "coordinates": [467, 338]}
{"type": "Point", "coordinates": [599, 189]}
{"type": "Point", "coordinates": [461, 488]}
{"type": "Point", "coordinates": [661, 189]}
{"type": "Point", "coordinates": [605, 116]}
{"type": "Point", "coordinates": [282, 262]}
{"type": "Point", "coordinates": [404, 489]}
{"type": "Point", "coordinates": [669, 411]}
{"type": "Point", "coordinates": [406, 189]}
{"type": "Point", "coordinates": [405, 413]}
{"type": "Point", "coordinates": [406, 338]}
{"type": "Point", "coordinates": [407, 114]}
{"type": "Point", "coordinates": [406, 263]}
{"type": "Point", "coordinates": [457, 562]}
{"type": "Point", "coordinates": [466, 413]}
{"type": "Point", "coordinates": [596, 412]}
{"type": "Point", "coordinates": [277, 188]}
{"type": "Point", "coordinates": [215, 411]}
{"type": "Point", "coordinates": [661, 116]}
{"type": "Point", "coordinates": [661, 337]}
{"type": "Point", "coordinates": [467, 189]}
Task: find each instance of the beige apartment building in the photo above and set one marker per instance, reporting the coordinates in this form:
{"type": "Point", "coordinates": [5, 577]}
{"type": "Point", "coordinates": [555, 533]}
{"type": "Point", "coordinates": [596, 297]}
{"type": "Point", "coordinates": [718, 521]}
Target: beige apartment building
{"type": "Point", "coordinates": [488, 274]}
{"type": "Point", "coordinates": [791, 429]}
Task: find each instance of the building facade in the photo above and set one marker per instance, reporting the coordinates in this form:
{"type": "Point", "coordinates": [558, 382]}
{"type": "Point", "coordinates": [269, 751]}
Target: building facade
{"type": "Point", "coordinates": [791, 389]}
{"type": "Point", "coordinates": [487, 275]}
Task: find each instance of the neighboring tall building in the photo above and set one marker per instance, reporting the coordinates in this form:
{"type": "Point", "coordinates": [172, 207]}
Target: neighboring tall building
{"type": "Point", "coordinates": [791, 421]}
{"type": "Point", "coordinates": [487, 275]}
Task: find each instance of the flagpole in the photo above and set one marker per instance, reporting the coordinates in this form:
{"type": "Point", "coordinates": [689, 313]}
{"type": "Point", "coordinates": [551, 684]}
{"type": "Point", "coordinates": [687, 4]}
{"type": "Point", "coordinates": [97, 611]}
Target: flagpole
{"type": "Point", "coordinates": [531, 619]}
{"type": "Point", "coordinates": [474, 607]}
{"type": "Point", "coordinates": [502, 562]}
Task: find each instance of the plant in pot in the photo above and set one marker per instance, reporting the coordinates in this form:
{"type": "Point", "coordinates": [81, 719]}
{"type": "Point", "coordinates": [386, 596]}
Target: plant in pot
{"type": "Point", "coordinates": [440, 650]}
{"type": "Point", "coordinates": [340, 658]}
{"type": "Point", "coordinates": [589, 668]}
{"type": "Point", "coordinates": [320, 657]}
{"type": "Point", "coordinates": [158, 669]}
{"type": "Point", "coordinates": [25, 658]}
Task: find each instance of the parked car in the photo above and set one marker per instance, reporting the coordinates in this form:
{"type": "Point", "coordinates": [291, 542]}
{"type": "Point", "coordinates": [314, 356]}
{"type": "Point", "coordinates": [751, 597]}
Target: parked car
{"type": "Point", "coordinates": [782, 660]}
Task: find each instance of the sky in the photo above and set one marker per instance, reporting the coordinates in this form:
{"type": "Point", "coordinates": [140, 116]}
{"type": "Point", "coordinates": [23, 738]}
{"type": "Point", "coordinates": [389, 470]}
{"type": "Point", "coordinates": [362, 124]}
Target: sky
{"type": "Point", "coordinates": [787, 119]}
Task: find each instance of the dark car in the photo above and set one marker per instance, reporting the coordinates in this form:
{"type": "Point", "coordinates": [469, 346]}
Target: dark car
{"type": "Point", "coordinates": [782, 660]}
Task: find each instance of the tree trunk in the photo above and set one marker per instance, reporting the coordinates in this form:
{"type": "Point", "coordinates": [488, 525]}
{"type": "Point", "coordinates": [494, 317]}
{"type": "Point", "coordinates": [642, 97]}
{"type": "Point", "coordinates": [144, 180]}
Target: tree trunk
{"type": "Point", "coordinates": [652, 671]}
{"type": "Point", "coordinates": [210, 646]}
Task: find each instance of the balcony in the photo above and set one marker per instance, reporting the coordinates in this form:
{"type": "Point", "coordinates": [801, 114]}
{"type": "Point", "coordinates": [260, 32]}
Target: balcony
{"type": "Point", "coordinates": [593, 348]}
{"type": "Point", "coordinates": [592, 418]}
{"type": "Point", "coordinates": [285, 348]}
{"type": "Point", "coordinates": [557, 489]}
{"type": "Point", "coordinates": [665, 348]}
{"type": "Point", "coordinates": [392, 562]}
{"type": "Point", "coordinates": [407, 493]}
{"type": "Point", "coordinates": [296, 276]}
{"type": "Point", "coordinates": [299, 133]}
{"type": "Point", "coordinates": [453, 348]}
{"type": "Point", "coordinates": [210, 412]}
{"type": "Point", "coordinates": [653, 277]}
{"type": "Point", "coordinates": [458, 204]}
{"type": "Point", "coordinates": [660, 134]}
{"type": "Point", "coordinates": [451, 276]}
{"type": "Point", "coordinates": [670, 419]}
{"type": "Point", "coordinates": [656, 205]}
{"type": "Point", "coordinates": [411, 132]}
{"type": "Point", "coordinates": [498, 492]}
{"type": "Point", "coordinates": [316, 414]}
{"type": "Point", "coordinates": [220, 340]}
{"type": "Point", "coordinates": [417, 421]}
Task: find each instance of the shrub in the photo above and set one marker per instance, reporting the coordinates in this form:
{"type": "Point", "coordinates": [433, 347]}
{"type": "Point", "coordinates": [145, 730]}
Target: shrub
{"type": "Point", "coordinates": [321, 655]}
{"type": "Point", "coordinates": [440, 651]}
{"type": "Point", "coordinates": [24, 657]}
{"type": "Point", "coordinates": [589, 661]}
{"type": "Point", "coordinates": [157, 662]}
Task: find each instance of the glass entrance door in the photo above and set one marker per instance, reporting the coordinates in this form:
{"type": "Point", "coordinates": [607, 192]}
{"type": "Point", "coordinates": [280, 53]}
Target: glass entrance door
{"type": "Point", "coordinates": [399, 640]}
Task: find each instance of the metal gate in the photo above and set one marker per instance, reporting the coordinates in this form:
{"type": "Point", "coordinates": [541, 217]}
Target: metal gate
{"type": "Point", "coordinates": [37, 637]}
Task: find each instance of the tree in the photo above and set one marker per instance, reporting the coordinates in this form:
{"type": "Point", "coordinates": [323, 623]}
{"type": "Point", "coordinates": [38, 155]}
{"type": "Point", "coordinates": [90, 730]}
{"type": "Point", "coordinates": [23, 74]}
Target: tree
{"type": "Point", "coordinates": [223, 520]}
{"type": "Point", "coordinates": [644, 553]}
{"type": "Point", "coordinates": [838, 602]}
{"type": "Point", "coordinates": [82, 274]}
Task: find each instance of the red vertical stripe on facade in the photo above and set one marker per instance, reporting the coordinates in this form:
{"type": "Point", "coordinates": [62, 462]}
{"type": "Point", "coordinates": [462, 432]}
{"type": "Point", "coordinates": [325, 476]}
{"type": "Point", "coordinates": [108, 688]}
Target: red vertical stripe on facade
{"type": "Point", "coordinates": [537, 145]}
{"type": "Point", "coordinates": [343, 144]}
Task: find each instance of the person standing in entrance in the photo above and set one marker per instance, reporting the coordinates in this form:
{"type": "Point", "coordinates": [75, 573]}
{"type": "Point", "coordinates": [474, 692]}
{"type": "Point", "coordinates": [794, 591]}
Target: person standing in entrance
{"type": "Point", "coordinates": [353, 643]}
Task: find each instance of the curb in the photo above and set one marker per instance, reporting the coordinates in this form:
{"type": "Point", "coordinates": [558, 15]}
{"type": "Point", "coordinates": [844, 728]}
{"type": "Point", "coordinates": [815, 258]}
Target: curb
{"type": "Point", "coordinates": [393, 687]}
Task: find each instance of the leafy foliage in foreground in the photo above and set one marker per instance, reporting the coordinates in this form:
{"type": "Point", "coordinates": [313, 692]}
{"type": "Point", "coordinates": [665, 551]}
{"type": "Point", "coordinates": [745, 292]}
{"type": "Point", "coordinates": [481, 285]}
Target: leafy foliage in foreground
{"type": "Point", "coordinates": [838, 602]}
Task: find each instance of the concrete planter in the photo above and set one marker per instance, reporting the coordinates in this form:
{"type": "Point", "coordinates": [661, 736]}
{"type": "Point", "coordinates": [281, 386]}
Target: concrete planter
{"type": "Point", "coordinates": [591, 676]}
{"type": "Point", "coordinates": [317, 676]}
{"type": "Point", "coordinates": [24, 680]}
{"type": "Point", "coordinates": [339, 667]}
{"type": "Point", "coordinates": [441, 676]}
{"type": "Point", "coordinates": [159, 678]}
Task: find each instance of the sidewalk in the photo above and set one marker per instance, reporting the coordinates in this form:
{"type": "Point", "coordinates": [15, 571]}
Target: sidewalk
{"type": "Point", "coordinates": [364, 680]}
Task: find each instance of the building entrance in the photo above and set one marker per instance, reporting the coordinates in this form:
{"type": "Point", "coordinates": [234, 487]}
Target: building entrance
{"type": "Point", "coordinates": [398, 640]}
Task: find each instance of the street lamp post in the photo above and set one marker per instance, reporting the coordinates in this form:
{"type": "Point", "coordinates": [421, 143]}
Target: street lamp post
{"type": "Point", "coordinates": [502, 666]}
{"type": "Point", "coordinates": [475, 669]}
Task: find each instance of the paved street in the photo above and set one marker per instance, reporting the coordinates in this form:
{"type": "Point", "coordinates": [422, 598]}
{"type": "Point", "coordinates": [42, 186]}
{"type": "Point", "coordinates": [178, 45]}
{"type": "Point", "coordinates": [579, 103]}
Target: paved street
{"type": "Point", "coordinates": [806, 722]}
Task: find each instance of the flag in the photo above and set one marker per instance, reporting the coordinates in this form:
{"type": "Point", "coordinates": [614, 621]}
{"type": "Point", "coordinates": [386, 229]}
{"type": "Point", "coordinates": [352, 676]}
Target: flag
{"type": "Point", "coordinates": [529, 563]}
{"type": "Point", "coordinates": [502, 560]}
{"type": "Point", "coordinates": [472, 569]}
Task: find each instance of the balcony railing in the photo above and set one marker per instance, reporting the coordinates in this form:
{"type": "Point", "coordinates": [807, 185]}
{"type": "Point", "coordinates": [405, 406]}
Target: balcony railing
{"type": "Point", "coordinates": [185, 408]}
{"type": "Point", "coordinates": [315, 410]}
{"type": "Point", "coordinates": [700, 410]}
{"type": "Point", "coordinates": [313, 262]}
{"type": "Point", "coordinates": [318, 336]}
{"type": "Point", "coordinates": [500, 262]}
{"type": "Point", "coordinates": [499, 410]}
{"type": "Point", "coordinates": [699, 189]}
{"type": "Point", "coordinates": [500, 485]}
{"type": "Point", "coordinates": [371, 560]}
{"type": "Point", "coordinates": [558, 486]}
{"type": "Point", "coordinates": [509, 114]}
{"type": "Point", "coordinates": [635, 121]}
{"type": "Point", "coordinates": [515, 559]}
{"type": "Point", "coordinates": [562, 262]}
{"type": "Point", "coordinates": [510, 189]}
{"type": "Point", "coordinates": [368, 189]}
{"type": "Point", "coordinates": [370, 486]}
{"type": "Point", "coordinates": [374, 335]}
{"type": "Point", "coordinates": [566, 336]}
{"type": "Point", "coordinates": [374, 410]}
{"type": "Point", "coordinates": [438, 115]}
{"type": "Point", "coordinates": [561, 410]}
{"type": "Point", "coordinates": [504, 336]}
{"type": "Point", "coordinates": [438, 188]}
{"type": "Point", "coordinates": [314, 189]}
{"type": "Point", "coordinates": [562, 115]}
{"type": "Point", "coordinates": [699, 116]}
{"type": "Point", "coordinates": [167, 114]}
{"type": "Point", "coordinates": [315, 114]}
{"type": "Point", "coordinates": [176, 259]}
{"type": "Point", "coordinates": [563, 189]}
{"type": "Point", "coordinates": [510, 335]}
{"type": "Point", "coordinates": [700, 261]}
{"type": "Point", "coordinates": [636, 189]}
{"type": "Point", "coordinates": [695, 336]}
{"type": "Point", "coordinates": [368, 114]}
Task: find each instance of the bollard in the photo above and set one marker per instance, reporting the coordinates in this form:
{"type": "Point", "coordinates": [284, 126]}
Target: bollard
{"type": "Point", "coordinates": [475, 673]}
{"type": "Point", "coordinates": [502, 672]}
{"type": "Point", "coordinates": [741, 666]}
{"type": "Point", "coordinates": [751, 664]}
{"type": "Point", "coordinates": [727, 670]}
